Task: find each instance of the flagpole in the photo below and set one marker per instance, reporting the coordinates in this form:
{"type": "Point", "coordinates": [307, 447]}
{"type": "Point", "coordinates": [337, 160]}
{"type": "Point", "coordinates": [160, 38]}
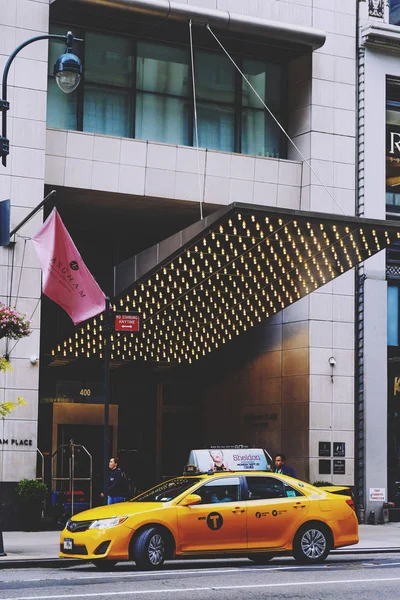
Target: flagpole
{"type": "Point", "coordinates": [107, 344]}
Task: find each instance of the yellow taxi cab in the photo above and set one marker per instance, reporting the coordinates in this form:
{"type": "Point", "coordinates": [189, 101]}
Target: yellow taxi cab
{"type": "Point", "coordinates": [343, 490]}
{"type": "Point", "coordinates": [255, 514]}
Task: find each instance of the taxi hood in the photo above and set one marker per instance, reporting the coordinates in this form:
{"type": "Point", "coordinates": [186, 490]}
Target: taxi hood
{"type": "Point", "coordinates": [116, 510]}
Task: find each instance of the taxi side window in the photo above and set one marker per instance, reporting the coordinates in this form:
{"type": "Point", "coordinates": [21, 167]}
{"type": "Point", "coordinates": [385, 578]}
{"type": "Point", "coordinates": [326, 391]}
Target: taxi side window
{"type": "Point", "coordinates": [220, 490]}
{"type": "Point", "coordinates": [269, 488]}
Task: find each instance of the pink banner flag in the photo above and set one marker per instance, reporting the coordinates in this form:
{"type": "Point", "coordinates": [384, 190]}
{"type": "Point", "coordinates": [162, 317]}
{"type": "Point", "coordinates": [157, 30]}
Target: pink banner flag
{"type": "Point", "coordinates": [66, 279]}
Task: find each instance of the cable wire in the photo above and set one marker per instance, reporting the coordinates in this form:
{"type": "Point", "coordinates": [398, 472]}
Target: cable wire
{"type": "Point", "coordinates": [20, 273]}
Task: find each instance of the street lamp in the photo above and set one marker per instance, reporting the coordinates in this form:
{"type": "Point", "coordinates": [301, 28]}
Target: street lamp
{"type": "Point", "coordinates": [67, 72]}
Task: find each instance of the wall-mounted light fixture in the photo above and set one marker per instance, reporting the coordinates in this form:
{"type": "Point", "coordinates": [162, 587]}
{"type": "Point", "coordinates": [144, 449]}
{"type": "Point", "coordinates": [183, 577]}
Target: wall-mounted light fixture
{"type": "Point", "coordinates": [332, 362]}
{"type": "Point", "coordinates": [67, 72]}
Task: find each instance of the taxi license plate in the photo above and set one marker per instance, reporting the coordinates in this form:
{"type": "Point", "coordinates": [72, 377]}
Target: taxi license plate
{"type": "Point", "coordinates": [68, 543]}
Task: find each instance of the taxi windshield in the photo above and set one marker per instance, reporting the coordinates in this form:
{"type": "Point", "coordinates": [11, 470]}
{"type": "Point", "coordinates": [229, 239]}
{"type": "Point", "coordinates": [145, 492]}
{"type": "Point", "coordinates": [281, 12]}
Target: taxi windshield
{"type": "Point", "coordinates": [166, 491]}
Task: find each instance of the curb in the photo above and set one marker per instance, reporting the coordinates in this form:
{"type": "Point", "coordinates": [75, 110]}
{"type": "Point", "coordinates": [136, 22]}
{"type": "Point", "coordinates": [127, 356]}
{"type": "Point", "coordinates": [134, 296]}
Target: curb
{"type": "Point", "coordinates": [367, 551]}
{"type": "Point", "coordinates": [31, 563]}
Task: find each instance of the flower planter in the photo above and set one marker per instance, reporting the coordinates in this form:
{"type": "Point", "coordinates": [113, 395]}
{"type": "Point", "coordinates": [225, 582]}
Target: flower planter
{"type": "Point", "coordinates": [12, 324]}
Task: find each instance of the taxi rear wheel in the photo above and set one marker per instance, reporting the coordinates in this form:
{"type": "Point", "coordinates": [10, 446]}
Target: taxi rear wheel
{"type": "Point", "coordinates": [262, 558]}
{"type": "Point", "coordinates": [311, 544]}
{"type": "Point", "coordinates": [149, 549]}
{"type": "Point", "coordinates": [104, 565]}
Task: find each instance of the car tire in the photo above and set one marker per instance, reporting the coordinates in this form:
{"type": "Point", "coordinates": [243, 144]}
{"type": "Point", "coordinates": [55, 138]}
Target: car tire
{"type": "Point", "coordinates": [149, 549]}
{"type": "Point", "coordinates": [261, 559]}
{"type": "Point", "coordinates": [104, 565]}
{"type": "Point", "coordinates": [311, 544]}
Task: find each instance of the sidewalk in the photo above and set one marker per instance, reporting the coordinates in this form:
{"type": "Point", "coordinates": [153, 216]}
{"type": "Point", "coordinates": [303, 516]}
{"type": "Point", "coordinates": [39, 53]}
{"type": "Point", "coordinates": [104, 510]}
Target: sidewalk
{"type": "Point", "coordinates": [40, 548]}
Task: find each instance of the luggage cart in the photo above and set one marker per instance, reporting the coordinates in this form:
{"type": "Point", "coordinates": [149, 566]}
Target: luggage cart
{"type": "Point", "coordinates": [64, 479]}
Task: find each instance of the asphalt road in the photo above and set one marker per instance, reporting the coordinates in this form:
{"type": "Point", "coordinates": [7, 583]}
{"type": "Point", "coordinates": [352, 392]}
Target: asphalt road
{"type": "Point", "coordinates": [361, 577]}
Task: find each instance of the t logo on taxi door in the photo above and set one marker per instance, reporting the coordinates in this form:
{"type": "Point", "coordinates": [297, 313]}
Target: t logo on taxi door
{"type": "Point", "coordinates": [214, 521]}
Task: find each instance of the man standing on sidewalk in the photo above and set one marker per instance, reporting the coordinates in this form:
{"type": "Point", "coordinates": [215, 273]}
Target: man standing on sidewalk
{"type": "Point", "coordinates": [117, 483]}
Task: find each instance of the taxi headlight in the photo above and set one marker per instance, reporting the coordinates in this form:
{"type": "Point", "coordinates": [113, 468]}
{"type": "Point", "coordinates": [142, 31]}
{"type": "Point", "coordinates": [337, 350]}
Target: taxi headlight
{"type": "Point", "coordinates": [107, 523]}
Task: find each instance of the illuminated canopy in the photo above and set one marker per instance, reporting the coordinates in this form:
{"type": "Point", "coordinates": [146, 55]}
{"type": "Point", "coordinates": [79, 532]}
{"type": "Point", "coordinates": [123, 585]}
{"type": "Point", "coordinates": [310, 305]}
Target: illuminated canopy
{"type": "Point", "coordinates": [202, 287]}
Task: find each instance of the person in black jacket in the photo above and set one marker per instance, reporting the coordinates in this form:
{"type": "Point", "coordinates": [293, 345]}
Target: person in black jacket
{"type": "Point", "coordinates": [282, 467]}
{"type": "Point", "coordinates": [117, 483]}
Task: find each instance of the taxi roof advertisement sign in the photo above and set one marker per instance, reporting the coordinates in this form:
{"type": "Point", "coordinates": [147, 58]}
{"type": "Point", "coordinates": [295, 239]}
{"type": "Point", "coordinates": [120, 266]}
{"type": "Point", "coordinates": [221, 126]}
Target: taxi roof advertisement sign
{"type": "Point", "coordinates": [229, 459]}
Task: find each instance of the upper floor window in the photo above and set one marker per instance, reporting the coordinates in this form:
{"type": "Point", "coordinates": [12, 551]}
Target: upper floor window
{"type": "Point", "coordinates": [394, 12]}
{"type": "Point", "coordinates": [143, 89]}
{"type": "Point", "coordinates": [392, 144]}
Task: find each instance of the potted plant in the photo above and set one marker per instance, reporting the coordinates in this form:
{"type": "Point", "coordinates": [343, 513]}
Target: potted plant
{"type": "Point", "coordinates": [31, 493]}
{"type": "Point", "coordinates": [13, 325]}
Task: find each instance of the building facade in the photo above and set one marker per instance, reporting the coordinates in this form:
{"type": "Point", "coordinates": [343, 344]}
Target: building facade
{"type": "Point", "coordinates": [121, 154]}
{"type": "Point", "coordinates": [378, 80]}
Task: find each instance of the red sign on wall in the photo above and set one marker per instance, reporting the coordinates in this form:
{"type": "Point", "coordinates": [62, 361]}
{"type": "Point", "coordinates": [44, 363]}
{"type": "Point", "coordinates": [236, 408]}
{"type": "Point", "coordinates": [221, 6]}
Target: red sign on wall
{"type": "Point", "coordinates": [127, 322]}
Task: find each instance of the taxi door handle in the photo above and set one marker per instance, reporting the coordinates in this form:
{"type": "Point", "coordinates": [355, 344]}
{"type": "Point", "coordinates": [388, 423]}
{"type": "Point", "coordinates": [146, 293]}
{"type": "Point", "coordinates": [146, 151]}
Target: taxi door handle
{"type": "Point", "coordinates": [238, 509]}
{"type": "Point", "coordinates": [298, 505]}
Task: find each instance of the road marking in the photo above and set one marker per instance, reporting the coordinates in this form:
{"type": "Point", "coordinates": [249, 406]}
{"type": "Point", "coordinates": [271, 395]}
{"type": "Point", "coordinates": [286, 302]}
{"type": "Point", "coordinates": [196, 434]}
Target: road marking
{"type": "Point", "coordinates": [212, 588]}
{"type": "Point", "coordinates": [216, 570]}
{"type": "Point", "coordinates": [122, 574]}
{"type": "Point", "coordinates": [393, 564]}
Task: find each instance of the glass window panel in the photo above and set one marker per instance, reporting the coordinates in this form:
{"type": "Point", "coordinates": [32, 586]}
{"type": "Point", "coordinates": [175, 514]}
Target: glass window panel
{"type": "Point", "coordinates": [265, 488]}
{"type": "Point", "coordinates": [393, 316]}
{"type": "Point", "coordinates": [216, 127]}
{"type": "Point", "coordinates": [108, 59]}
{"type": "Point", "coordinates": [255, 72]}
{"type": "Point", "coordinates": [393, 116]}
{"type": "Point", "coordinates": [393, 199]}
{"type": "Point", "coordinates": [291, 492]}
{"type": "Point", "coordinates": [61, 108]}
{"type": "Point", "coordinates": [220, 490]}
{"type": "Point", "coordinates": [266, 78]}
{"type": "Point", "coordinates": [260, 134]}
{"type": "Point", "coordinates": [215, 77]}
{"type": "Point", "coordinates": [107, 111]}
{"type": "Point", "coordinates": [162, 119]}
{"type": "Point", "coordinates": [162, 69]}
{"type": "Point", "coordinates": [394, 14]}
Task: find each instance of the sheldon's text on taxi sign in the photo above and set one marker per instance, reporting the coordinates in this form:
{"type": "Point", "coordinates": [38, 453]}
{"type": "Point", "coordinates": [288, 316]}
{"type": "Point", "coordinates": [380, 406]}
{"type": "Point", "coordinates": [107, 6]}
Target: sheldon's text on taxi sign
{"type": "Point", "coordinates": [127, 321]}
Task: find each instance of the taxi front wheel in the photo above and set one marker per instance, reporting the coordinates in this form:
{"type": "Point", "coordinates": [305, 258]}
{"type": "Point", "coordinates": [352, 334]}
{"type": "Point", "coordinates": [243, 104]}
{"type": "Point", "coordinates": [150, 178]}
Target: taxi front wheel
{"type": "Point", "coordinates": [311, 544]}
{"type": "Point", "coordinates": [149, 549]}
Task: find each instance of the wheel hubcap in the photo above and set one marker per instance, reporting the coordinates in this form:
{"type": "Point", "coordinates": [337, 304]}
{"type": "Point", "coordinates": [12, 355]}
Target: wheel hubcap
{"type": "Point", "coordinates": [313, 543]}
{"type": "Point", "coordinates": [156, 549]}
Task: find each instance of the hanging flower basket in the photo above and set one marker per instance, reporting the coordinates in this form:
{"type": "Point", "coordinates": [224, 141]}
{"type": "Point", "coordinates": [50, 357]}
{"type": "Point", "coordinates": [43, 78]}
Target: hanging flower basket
{"type": "Point", "coordinates": [12, 324]}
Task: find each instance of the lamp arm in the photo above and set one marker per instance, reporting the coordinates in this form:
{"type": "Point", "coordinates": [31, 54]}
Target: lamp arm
{"type": "Point", "coordinates": [4, 105]}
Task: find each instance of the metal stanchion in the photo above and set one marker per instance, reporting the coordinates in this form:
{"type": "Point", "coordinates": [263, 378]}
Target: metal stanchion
{"type": "Point", "coordinates": [2, 553]}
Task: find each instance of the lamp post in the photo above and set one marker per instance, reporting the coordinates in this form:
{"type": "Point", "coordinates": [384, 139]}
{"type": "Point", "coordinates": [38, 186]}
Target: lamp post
{"type": "Point", "coordinates": [67, 71]}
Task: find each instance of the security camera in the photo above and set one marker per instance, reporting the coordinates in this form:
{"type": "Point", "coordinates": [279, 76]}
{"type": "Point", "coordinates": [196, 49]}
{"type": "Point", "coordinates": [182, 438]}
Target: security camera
{"type": "Point", "coordinates": [332, 361]}
{"type": "Point", "coordinates": [33, 359]}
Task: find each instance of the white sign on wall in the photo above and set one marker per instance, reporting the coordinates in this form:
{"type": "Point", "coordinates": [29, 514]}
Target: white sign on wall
{"type": "Point", "coordinates": [377, 494]}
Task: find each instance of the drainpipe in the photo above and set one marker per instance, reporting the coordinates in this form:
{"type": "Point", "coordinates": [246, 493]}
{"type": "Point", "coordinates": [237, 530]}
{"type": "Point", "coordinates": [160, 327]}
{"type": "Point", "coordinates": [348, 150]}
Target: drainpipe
{"type": "Point", "coordinates": [359, 286]}
{"type": "Point", "coordinates": [220, 19]}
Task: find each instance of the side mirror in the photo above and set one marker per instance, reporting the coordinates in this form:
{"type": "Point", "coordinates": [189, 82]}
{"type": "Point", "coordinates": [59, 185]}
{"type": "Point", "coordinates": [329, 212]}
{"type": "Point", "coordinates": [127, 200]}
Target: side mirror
{"type": "Point", "coordinates": [191, 499]}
